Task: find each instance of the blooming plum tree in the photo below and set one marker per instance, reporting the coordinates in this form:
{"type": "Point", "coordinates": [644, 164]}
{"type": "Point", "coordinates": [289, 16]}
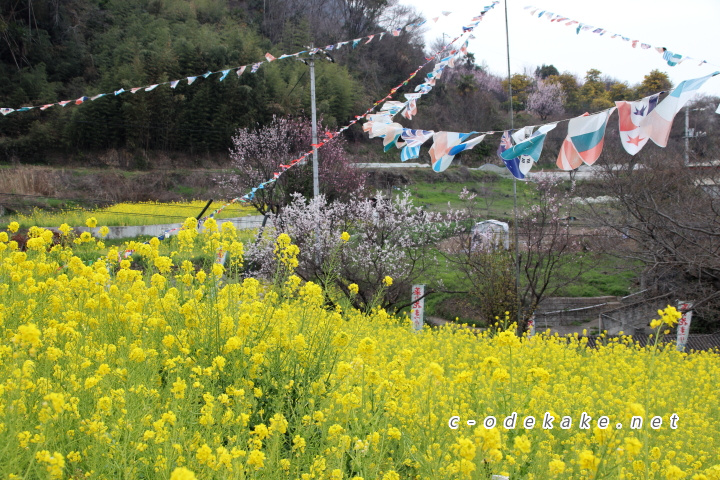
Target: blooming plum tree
{"type": "Point", "coordinates": [257, 155]}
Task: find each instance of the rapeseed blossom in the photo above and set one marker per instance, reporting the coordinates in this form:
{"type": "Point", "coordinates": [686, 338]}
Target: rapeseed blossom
{"type": "Point", "coordinates": [158, 366]}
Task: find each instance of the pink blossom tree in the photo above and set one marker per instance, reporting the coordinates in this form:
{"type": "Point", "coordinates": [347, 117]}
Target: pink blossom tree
{"type": "Point", "coordinates": [547, 100]}
{"type": "Point", "coordinates": [258, 153]}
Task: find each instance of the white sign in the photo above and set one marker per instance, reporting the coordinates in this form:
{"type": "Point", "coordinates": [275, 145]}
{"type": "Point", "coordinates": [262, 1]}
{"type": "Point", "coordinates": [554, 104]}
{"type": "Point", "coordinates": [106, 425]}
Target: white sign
{"type": "Point", "coordinates": [417, 311]}
{"type": "Point", "coordinates": [683, 328]}
{"type": "Point", "coordinates": [531, 326]}
{"type": "Point", "coordinates": [220, 256]}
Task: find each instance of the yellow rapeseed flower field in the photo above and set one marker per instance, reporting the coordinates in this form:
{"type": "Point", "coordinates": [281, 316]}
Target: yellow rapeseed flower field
{"type": "Point", "coordinates": [149, 367]}
{"type": "Point", "coordinates": [130, 214]}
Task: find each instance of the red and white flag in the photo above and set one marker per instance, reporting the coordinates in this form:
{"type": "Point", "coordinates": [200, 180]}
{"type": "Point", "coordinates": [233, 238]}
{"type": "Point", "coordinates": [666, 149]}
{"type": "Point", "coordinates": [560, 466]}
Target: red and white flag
{"type": "Point", "coordinates": [631, 116]}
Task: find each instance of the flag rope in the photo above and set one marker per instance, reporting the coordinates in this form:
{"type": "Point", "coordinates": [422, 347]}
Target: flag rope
{"type": "Point", "coordinates": [224, 72]}
{"type": "Point", "coordinates": [329, 136]}
{"type": "Point", "coordinates": [671, 58]}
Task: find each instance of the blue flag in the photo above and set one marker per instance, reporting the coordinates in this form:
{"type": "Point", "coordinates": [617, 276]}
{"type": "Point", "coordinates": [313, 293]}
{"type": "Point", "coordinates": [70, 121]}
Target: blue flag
{"type": "Point", "coordinates": [512, 164]}
{"type": "Point", "coordinates": [531, 146]}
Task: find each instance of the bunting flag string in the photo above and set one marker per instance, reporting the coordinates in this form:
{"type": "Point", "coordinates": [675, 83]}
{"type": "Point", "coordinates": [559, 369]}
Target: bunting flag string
{"type": "Point", "coordinates": [329, 136]}
{"type": "Point", "coordinates": [669, 57]}
{"type": "Point", "coordinates": [640, 121]}
{"type": "Point", "coordinates": [223, 73]}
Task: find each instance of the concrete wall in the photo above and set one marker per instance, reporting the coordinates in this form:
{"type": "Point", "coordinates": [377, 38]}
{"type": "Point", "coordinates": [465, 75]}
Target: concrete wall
{"type": "Point", "coordinates": [568, 310]}
{"type": "Point", "coordinates": [633, 317]}
{"type": "Point", "coordinates": [240, 223]}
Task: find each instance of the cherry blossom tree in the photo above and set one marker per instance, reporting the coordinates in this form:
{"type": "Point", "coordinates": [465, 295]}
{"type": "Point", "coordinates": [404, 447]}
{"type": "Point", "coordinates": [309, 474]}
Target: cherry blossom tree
{"type": "Point", "coordinates": [547, 100]}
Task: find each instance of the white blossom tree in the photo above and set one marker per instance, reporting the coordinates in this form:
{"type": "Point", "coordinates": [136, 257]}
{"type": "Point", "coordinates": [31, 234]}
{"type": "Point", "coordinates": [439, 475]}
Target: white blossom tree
{"type": "Point", "coordinates": [388, 237]}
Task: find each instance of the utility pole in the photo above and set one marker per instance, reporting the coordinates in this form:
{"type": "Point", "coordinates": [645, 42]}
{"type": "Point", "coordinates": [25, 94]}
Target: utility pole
{"type": "Point", "coordinates": [515, 218]}
{"type": "Point", "coordinates": [690, 133]}
{"type": "Point", "coordinates": [687, 136]}
{"type": "Point", "coordinates": [316, 181]}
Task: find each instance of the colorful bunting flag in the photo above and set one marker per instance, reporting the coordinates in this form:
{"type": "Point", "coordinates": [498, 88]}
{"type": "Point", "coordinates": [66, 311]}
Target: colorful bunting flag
{"type": "Point", "coordinates": [393, 107]}
{"type": "Point", "coordinates": [5, 111]}
{"type": "Point", "coordinates": [658, 123]}
{"type": "Point", "coordinates": [377, 127]}
{"type": "Point", "coordinates": [255, 67]}
{"type": "Point", "coordinates": [151, 87]}
{"type": "Point", "coordinates": [469, 145]}
{"type": "Point", "coordinates": [584, 141]}
{"type": "Point", "coordinates": [174, 83]}
{"type": "Point", "coordinates": [269, 57]}
{"type": "Point", "coordinates": [512, 164]}
{"type": "Point", "coordinates": [392, 135]}
{"type": "Point", "coordinates": [413, 141]}
{"type": "Point", "coordinates": [118, 92]}
{"type": "Point", "coordinates": [207, 74]}
{"type": "Point", "coordinates": [411, 109]}
{"type": "Point", "coordinates": [95, 97]}
{"type": "Point", "coordinates": [672, 59]}
{"type": "Point", "coordinates": [224, 74]}
{"type": "Point", "coordinates": [80, 100]}
{"type": "Point", "coordinates": [630, 117]}
{"type": "Point", "coordinates": [528, 147]}
{"type": "Point", "coordinates": [45, 107]}
{"type": "Point", "coordinates": [588, 134]}
{"type": "Point", "coordinates": [443, 142]}
{"type": "Point", "coordinates": [370, 39]}
{"type": "Point", "coordinates": [355, 42]}
{"type": "Point", "coordinates": [241, 70]}
{"type": "Point", "coordinates": [190, 80]}
{"type": "Point", "coordinates": [134, 90]}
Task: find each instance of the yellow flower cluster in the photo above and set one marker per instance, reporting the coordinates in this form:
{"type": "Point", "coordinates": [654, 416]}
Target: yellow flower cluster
{"type": "Point", "coordinates": [286, 251]}
{"type": "Point", "coordinates": [155, 368]}
{"type": "Point", "coordinates": [668, 316]}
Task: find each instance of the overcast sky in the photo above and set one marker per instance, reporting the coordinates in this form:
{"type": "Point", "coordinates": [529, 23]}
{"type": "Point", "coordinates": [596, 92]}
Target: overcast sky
{"type": "Point", "coordinates": [687, 27]}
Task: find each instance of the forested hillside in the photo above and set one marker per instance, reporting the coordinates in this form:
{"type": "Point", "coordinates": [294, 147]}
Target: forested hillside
{"type": "Point", "coordinates": [52, 51]}
{"type": "Point", "coordinates": [56, 50]}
